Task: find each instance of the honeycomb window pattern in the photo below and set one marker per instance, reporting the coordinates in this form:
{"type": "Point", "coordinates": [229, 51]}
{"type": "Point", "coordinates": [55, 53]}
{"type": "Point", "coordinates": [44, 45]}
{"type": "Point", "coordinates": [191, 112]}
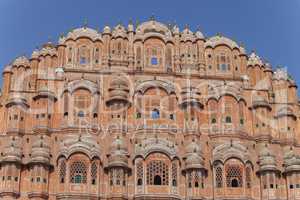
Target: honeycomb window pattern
{"type": "Point", "coordinates": [94, 172]}
{"type": "Point", "coordinates": [157, 170]}
{"type": "Point", "coordinates": [78, 172]}
{"type": "Point", "coordinates": [62, 171]}
{"type": "Point", "coordinates": [234, 176]}
{"type": "Point", "coordinates": [219, 177]}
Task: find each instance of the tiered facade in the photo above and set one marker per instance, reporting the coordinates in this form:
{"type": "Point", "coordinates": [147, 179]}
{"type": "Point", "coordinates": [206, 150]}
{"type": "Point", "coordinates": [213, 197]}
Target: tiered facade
{"type": "Point", "coordinates": [147, 112]}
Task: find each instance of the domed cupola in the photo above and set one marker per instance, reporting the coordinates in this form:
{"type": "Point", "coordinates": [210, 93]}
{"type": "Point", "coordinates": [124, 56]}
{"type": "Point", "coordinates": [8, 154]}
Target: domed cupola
{"type": "Point", "coordinates": [11, 162]}
{"type": "Point", "coordinates": [291, 161]}
{"type": "Point", "coordinates": [119, 31]}
{"type": "Point", "coordinates": [199, 35]}
{"type": "Point", "coordinates": [40, 152]}
{"type": "Point", "coordinates": [106, 30]}
{"type": "Point", "coordinates": [176, 30]}
{"type": "Point", "coordinates": [118, 91]}
{"type": "Point", "coordinates": [82, 32]}
{"type": "Point", "coordinates": [117, 166]}
{"type": "Point", "coordinates": [7, 69]}
{"type": "Point", "coordinates": [48, 49]}
{"type": "Point", "coordinates": [35, 54]}
{"type": "Point", "coordinates": [187, 35]}
{"type": "Point", "coordinates": [118, 156]}
{"type": "Point", "coordinates": [266, 160]}
{"type": "Point", "coordinates": [254, 60]}
{"type": "Point", "coordinates": [190, 97]}
{"type": "Point", "coordinates": [193, 156]}
{"type": "Point", "coordinates": [21, 61]}
{"type": "Point", "coordinates": [13, 151]}
{"type": "Point", "coordinates": [268, 67]}
{"type": "Point", "coordinates": [259, 101]}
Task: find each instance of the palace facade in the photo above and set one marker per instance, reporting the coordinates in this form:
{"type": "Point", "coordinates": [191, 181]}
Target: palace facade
{"type": "Point", "coordinates": [147, 112]}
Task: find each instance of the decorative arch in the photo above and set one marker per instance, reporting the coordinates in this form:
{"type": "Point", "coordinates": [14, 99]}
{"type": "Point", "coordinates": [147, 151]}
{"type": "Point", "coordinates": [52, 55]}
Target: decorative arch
{"type": "Point", "coordinates": [79, 144]}
{"type": "Point", "coordinates": [230, 150]}
{"type": "Point", "coordinates": [155, 145]}
{"type": "Point", "coordinates": [147, 84]}
{"type": "Point", "coordinates": [82, 84]}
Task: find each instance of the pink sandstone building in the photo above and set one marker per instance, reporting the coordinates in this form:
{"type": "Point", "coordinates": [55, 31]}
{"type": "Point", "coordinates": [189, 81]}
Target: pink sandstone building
{"type": "Point", "coordinates": [147, 112]}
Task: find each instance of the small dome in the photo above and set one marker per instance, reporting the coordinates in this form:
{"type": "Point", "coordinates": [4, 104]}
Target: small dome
{"type": "Point", "coordinates": [291, 160]}
{"type": "Point", "coordinates": [7, 68]}
{"type": "Point", "coordinates": [81, 32]}
{"type": "Point", "coordinates": [119, 31]}
{"type": "Point", "coordinates": [221, 40]}
{"type": "Point", "coordinates": [48, 49]}
{"type": "Point", "coordinates": [13, 151]}
{"type": "Point", "coordinates": [254, 60]}
{"type": "Point", "coordinates": [187, 35]}
{"type": "Point", "coordinates": [35, 54]}
{"type": "Point", "coordinates": [119, 82]}
{"type": "Point", "coordinates": [130, 27]}
{"type": "Point", "coordinates": [193, 156]}
{"type": "Point", "coordinates": [21, 61]}
{"type": "Point", "coordinates": [280, 74]}
{"type": "Point", "coordinates": [118, 156]}
{"type": "Point", "coordinates": [267, 160]}
{"type": "Point", "coordinates": [40, 151]}
{"type": "Point", "coordinates": [199, 35]}
{"type": "Point", "coordinates": [106, 30]}
{"type": "Point", "coordinates": [194, 161]}
{"type": "Point", "coordinates": [176, 30]}
{"type": "Point", "coordinates": [118, 90]}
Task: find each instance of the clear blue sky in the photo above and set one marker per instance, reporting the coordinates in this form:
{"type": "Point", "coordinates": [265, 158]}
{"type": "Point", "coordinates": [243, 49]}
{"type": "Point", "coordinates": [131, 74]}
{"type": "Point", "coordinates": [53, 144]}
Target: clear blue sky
{"type": "Point", "coordinates": [271, 27]}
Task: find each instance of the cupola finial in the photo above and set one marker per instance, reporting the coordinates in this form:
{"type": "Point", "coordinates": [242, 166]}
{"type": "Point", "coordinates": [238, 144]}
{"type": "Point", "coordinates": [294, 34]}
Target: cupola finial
{"type": "Point", "coordinates": [85, 22]}
{"type": "Point", "coordinates": [152, 18]}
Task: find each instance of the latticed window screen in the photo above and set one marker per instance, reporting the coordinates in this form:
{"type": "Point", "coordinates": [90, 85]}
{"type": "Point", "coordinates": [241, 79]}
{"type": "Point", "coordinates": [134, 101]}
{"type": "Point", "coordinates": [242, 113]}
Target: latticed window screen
{"type": "Point", "coordinates": [174, 174]}
{"type": "Point", "coordinates": [82, 101]}
{"type": "Point", "coordinates": [78, 172]}
{"type": "Point", "coordinates": [234, 176]}
{"type": "Point", "coordinates": [139, 173]}
{"type": "Point", "coordinates": [196, 179]}
{"type": "Point", "coordinates": [219, 177]}
{"type": "Point", "coordinates": [94, 172]}
{"type": "Point", "coordinates": [157, 173]}
{"type": "Point", "coordinates": [118, 176]}
{"type": "Point", "coordinates": [62, 171]}
{"type": "Point", "coordinates": [248, 177]}
{"type": "Point", "coordinates": [111, 177]}
{"type": "Point", "coordinates": [189, 179]}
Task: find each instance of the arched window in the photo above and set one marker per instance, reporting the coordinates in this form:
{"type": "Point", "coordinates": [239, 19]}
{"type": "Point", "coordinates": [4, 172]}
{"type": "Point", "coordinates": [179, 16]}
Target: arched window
{"type": "Point", "coordinates": [213, 120]}
{"type": "Point", "coordinates": [228, 119]}
{"type": "Point", "coordinates": [78, 172]}
{"type": "Point", "coordinates": [139, 181]}
{"type": "Point", "coordinates": [138, 115]}
{"type": "Point", "coordinates": [157, 180]}
{"type": "Point", "coordinates": [234, 183]}
{"type": "Point", "coordinates": [80, 114]}
{"type": "Point", "coordinates": [94, 173]}
{"type": "Point", "coordinates": [234, 176]}
{"type": "Point", "coordinates": [62, 171]}
{"type": "Point", "coordinates": [155, 114]}
{"type": "Point", "coordinates": [157, 173]}
{"type": "Point", "coordinates": [219, 177]}
{"type": "Point", "coordinates": [83, 55]}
